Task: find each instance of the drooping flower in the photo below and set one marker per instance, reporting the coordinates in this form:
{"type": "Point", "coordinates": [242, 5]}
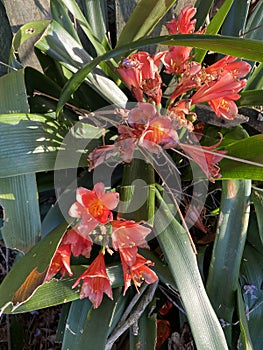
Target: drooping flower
{"type": "Point", "coordinates": [95, 282]}
{"type": "Point", "coordinates": [74, 243]}
{"type": "Point", "coordinates": [225, 89]}
{"type": "Point", "coordinates": [228, 64]}
{"type": "Point", "coordinates": [140, 73]}
{"type": "Point", "coordinates": [137, 272]}
{"type": "Point", "coordinates": [79, 244]}
{"type": "Point", "coordinates": [93, 207]}
{"type": "Point", "coordinates": [206, 161]}
{"type": "Point", "coordinates": [60, 262]}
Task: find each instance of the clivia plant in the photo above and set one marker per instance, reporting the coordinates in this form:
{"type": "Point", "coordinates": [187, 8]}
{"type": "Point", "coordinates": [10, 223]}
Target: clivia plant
{"type": "Point", "coordinates": [156, 232]}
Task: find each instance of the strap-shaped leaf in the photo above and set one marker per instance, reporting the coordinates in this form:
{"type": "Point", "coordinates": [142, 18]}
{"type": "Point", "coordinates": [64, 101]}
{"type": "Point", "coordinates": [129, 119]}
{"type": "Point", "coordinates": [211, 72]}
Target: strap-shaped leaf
{"type": "Point", "coordinates": [182, 264]}
{"type": "Point", "coordinates": [60, 45]}
{"type": "Point", "coordinates": [143, 19]}
{"type": "Point", "coordinates": [214, 26]}
{"type": "Point", "coordinates": [222, 282]}
{"type": "Point", "coordinates": [249, 149]}
{"type": "Point", "coordinates": [18, 194]}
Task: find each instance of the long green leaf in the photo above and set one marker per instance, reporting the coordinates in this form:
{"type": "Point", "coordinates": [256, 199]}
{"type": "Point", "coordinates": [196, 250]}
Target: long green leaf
{"type": "Point", "coordinates": [18, 194]}
{"type": "Point", "coordinates": [251, 273]}
{"type": "Point", "coordinates": [203, 9]}
{"type": "Point", "coordinates": [60, 14]}
{"type": "Point", "coordinates": [35, 141]}
{"type": "Point", "coordinates": [255, 81]}
{"type": "Point", "coordinates": [182, 264]}
{"type": "Point", "coordinates": [102, 317]}
{"type": "Point", "coordinates": [222, 282]}
{"type": "Point", "coordinates": [214, 26]}
{"type": "Point", "coordinates": [75, 321]}
{"type": "Point", "coordinates": [249, 149]}
{"type": "Point", "coordinates": [254, 27]}
{"type": "Point", "coordinates": [235, 22]}
{"type": "Point", "coordinates": [143, 19]}
{"type": "Point", "coordinates": [245, 336]}
{"type": "Point", "coordinates": [250, 98]}
{"type": "Point", "coordinates": [58, 44]}
{"type": "Point", "coordinates": [257, 199]}
{"type": "Point", "coordinates": [84, 24]}
{"type": "Point", "coordinates": [250, 49]}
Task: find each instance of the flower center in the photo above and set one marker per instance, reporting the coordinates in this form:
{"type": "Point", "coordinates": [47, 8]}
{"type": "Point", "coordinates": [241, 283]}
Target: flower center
{"type": "Point", "coordinates": [96, 208]}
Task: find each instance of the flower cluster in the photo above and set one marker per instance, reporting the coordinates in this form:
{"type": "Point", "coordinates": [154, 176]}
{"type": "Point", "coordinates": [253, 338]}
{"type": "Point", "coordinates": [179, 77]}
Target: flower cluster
{"type": "Point", "coordinates": [218, 84]}
{"type": "Point", "coordinates": [145, 126]}
{"type": "Point", "coordinates": [93, 209]}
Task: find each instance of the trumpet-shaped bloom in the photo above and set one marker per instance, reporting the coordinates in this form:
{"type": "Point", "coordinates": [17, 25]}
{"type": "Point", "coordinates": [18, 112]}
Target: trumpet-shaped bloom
{"type": "Point", "coordinates": [137, 272]}
{"type": "Point", "coordinates": [140, 73]}
{"type": "Point", "coordinates": [127, 236]}
{"type": "Point", "coordinates": [145, 127]}
{"type": "Point", "coordinates": [219, 92]}
{"type": "Point", "coordinates": [229, 64]}
{"type": "Point", "coordinates": [176, 59]}
{"type": "Point", "coordinates": [93, 207]}
{"type": "Point", "coordinates": [95, 282]}
{"type": "Point", "coordinates": [183, 24]}
{"type": "Point", "coordinates": [60, 262]}
{"type": "Point", "coordinates": [72, 243]}
{"type": "Point", "coordinates": [206, 161]}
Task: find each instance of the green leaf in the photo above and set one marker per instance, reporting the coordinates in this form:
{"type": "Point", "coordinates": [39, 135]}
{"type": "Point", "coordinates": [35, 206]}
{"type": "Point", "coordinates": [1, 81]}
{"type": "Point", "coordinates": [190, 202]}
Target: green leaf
{"type": "Point", "coordinates": [60, 14]}
{"type": "Point", "coordinates": [203, 9]}
{"type": "Point", "coordinates": [249, 149]}
{"type": "Point", "coordinates": [95, 12]}
{"type": "Point", "coordinates": [250, 98]}
{"type": "Point", "coordinates": [214, 26]}
{"type": "Point", "coordinates": [75, 321]}
{"type": "Point", "coordinates": [250, 49]}
{"type": "Point", "coordinates": [222, 282]}
{"type": "Point", "coordinates": [38, 257]}
{"type": "Point", "coordinates": [178, 252]}
{"type": "Point", "coordinates": [245, 336]}
{"type": "Point", "coordinates": [235, 22]}
{"type": "Point", "coordinates": [102, 317]}
{"type": "Point", "coordinates": [84, 24]}
{"type": "Point", "coordinates": [35, 141]}
{"type": "Point", "coordinates": [18, 197]}
{"type": "Point", "coordinates": [254, 28]}
{"type": "Point", "coordinates": [251, 274]}
{"type": "Point", "coordinates": [255, 81]}
{"type": "Point", "coordinates": [18, 194]}
{"type": "Point", "coordinates": [27, 31]}
{"type": "Point", "coordinates": [58, 44]}
{"type": "Point", "coordinates": [143, 19]}
{"type": "Point", "coordinates": [257, 199]}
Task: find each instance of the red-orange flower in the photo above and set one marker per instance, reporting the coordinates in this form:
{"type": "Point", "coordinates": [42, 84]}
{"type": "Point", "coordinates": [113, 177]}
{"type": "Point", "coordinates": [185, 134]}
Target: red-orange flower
{"type": "Point", "coordinates": [71, 243]}
{"type": "Point", "coordinates": [226, 89]}
{"type": "Point", "coordinates": [138, 272]}
{"type": "Point", "coordinates": [95, 282]}
{"type": "Point", "coordinates": [60, 262]}
{"type": "Point", "coordinates": [140, 73]}
{"type": "Point", "coordinates": [93, 207]}
{"type": "Point", "coordinates": [229, 64]}
{"type": "Point", "coordinates": [206, 161]}
{"type": "Point", "coordinates": [176, 60]}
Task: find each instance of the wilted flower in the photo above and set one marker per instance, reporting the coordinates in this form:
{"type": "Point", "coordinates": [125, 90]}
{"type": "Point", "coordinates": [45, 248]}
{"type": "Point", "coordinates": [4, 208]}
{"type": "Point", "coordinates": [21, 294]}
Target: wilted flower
{"type": "Point", "coordinates": [60, 262]}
